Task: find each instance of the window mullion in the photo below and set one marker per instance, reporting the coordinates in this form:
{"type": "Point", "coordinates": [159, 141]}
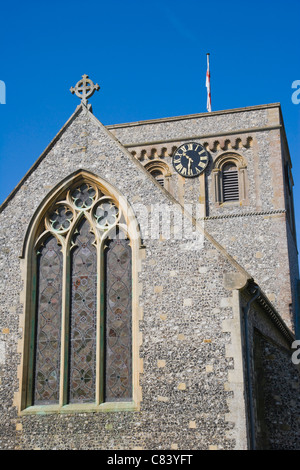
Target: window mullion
{"type": "Point", "coordinates": [100, 325]}
{"type": "Point", "coordinates": [63, 395]}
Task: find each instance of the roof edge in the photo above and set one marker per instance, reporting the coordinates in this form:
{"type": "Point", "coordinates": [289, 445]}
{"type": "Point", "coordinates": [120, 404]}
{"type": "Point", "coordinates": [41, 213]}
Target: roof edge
{"type": "Point", "coordinates": [194, 116]}
{"type": "Point", "coordinates": [196, 223]}
{"type": "Point", "coordinates": [41, 157]}
{"type": "Point", "coordinates": [270, 310]}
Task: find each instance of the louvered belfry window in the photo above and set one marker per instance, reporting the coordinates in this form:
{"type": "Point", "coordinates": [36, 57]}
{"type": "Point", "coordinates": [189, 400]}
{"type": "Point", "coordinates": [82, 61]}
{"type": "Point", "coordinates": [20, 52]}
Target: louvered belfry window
{"type": "Point", "coordinates": [230, 182]}
{"type": "Point", "coordinates": [159, 177]}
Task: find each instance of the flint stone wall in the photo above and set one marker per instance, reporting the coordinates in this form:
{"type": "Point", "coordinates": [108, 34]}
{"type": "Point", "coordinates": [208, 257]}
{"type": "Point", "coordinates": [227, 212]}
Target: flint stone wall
{"type": "Point", "coordinates": [185, 401]}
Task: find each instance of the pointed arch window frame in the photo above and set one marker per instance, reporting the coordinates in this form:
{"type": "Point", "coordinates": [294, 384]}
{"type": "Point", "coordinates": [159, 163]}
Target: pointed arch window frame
{"type": "Point", "coordinates": [32, 240]}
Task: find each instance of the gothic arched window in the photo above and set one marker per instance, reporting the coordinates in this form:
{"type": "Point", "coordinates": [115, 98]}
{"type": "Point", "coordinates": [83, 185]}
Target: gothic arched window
{"type": "Point", "coordinates": [78, 343]}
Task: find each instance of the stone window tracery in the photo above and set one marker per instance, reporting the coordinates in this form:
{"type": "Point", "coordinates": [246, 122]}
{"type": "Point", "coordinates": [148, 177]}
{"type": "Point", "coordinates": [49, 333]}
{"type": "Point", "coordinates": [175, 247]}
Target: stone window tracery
{"type": "Point", "coordinates": [80, 338]}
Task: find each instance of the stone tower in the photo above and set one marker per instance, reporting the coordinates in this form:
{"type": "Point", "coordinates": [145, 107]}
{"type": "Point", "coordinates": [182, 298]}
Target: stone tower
{"type": "Point", "coordinates": [255, 222]}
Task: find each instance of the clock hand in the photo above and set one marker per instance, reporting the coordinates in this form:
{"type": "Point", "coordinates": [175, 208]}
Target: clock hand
{"type": "Point", "coordinates": [186, 156]}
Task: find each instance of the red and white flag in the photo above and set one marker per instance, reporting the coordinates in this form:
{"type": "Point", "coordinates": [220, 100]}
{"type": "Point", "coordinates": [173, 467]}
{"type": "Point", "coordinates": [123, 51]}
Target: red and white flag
{"type": "Point", "coordinates": [208, 105]}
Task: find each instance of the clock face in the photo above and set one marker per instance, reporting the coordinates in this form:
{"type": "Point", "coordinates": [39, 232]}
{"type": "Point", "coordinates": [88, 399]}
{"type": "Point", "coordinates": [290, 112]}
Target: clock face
{"type": "Point", "coordinates": [190, 159]}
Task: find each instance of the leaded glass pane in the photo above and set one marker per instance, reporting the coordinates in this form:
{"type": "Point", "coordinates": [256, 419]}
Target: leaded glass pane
{"type": "Point", "coordinates": [83, 196]}
{"type": "Point", "coordinates": [82, 376]}
{"type": "Point", "coordinates": [61, 218]}
{"type": "Point", "coordinates": [48, 328]}
{"type": "Point", "coordinates": [118, 360]}
{"type": "Point", "coordinates": [106, 214]}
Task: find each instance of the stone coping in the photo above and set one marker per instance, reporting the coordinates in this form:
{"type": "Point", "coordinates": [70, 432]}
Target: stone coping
{"type": "Point", "coordinates": [194, 116]}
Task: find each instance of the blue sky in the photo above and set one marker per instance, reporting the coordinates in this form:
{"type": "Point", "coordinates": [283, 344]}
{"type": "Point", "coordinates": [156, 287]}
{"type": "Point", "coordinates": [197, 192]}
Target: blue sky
{"type": "Point", "coordinates": [150, 62]}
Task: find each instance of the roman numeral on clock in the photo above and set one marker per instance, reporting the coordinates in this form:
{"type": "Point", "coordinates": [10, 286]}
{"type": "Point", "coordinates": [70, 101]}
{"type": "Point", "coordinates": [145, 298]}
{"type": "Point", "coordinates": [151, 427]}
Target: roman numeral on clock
{"type": "Point", "coordinates": [179, 167]}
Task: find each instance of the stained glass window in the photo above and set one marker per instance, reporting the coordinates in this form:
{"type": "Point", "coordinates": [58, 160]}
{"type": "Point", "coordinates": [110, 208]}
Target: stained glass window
{"type": "Point", "coordinates": [106, 214]}
{"type": "Point", "coordinates": [83, 196]}
{"type": "Point", "coordinates": [76, 335]}
{"type": "Point", "coordinates": [83, 317]}
{"type": "Point", "coordinates": [118, 321]}
{"type": "Point", "coordinates": [61, 218]}
{"type": "Point", "coordinates": [47, 347]}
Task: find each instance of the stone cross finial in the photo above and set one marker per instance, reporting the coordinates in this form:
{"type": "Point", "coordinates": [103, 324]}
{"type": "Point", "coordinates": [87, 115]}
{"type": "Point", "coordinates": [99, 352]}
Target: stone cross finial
{"type": "Point", "coordinates": [84, 89]}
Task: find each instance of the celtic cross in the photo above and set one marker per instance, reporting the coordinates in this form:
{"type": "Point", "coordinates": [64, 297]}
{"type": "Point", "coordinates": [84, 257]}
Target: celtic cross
{"type": "Point", "coordinates": [84, 89]}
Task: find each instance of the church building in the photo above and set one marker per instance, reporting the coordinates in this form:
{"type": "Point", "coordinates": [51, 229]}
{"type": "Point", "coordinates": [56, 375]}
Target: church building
{"type": "Point", "coordinates": [150, 286]}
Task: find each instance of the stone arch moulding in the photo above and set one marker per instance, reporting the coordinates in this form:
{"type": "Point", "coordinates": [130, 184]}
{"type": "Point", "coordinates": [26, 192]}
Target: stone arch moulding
{"type": "Point", "coordinates": [78, 176]}
{"type": "Point", "coordinates": [158, 165]}
{"type": "Point", "coordinates": [226, 157]}
{"type": "Point", "coordinates": [37, 233]}
{"type": "Point", "coordinates": [241, 164]}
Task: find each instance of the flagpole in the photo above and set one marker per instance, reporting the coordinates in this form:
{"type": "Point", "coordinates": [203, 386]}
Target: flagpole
{"type": "Point", "coordinates": [208, 104]}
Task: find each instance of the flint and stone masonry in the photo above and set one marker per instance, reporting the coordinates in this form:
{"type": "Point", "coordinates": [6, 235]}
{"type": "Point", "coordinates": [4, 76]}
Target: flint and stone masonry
{"type": "Point", "coordinates": [214, 316]}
